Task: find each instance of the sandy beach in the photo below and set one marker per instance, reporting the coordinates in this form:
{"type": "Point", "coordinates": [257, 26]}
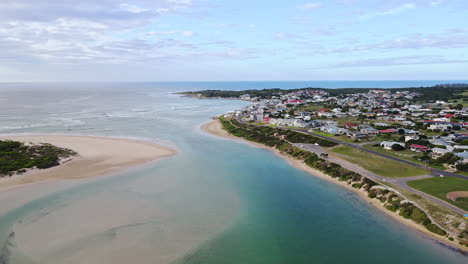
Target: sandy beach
{"type": "Point", "coordinates": [96, 156]}
{"type": "Point", "coordinates": [214, 128]}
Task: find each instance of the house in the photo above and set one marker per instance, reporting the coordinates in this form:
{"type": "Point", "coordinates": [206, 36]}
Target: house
{"type": "Point", "coordinates": [333, 130]}
{"type": "Point", "coordinates": [356, 135]}
{"type": "Point", "coordinates": [411, 137]}
{"type": "Point", "coordinates": [463, 157]}
{"type": "Point", "coordinates": [419, 148]}
{"type": "Point", "coordinates": [408, 123]}
{"type": "Point", "coordinates": [370, 131]}
{"type": "Point", "coordinates": [439, 152]}
{"type": "Point", "coordinates": [438, 142]}
{"type": "Point", "coordinates": [351, 125]}
{"type": "Point", "coordinates": [441, 127]}
{"type": "Point", "coordinates": [388, 131]}
{"type": "Point", "coordinates": [306, 115]}
{"type": "Point", "coordinates": [410, 132]}
{"type": "Point", "coordinates": [296, 102]}
{"type": "Point", "coordinates": [389, 144]}
{"type": "Point", "coordinates": [380, 124]}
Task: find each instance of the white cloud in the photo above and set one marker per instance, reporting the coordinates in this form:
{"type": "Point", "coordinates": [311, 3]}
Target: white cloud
{"type": "Point", "coordinates": [396, 61]}
{"type": "Point", "coordinates": [437, 3]}
{"type": "Point", "coordinates": [310, 6]}
{"type": "Point", "coordinates": [393, 11]}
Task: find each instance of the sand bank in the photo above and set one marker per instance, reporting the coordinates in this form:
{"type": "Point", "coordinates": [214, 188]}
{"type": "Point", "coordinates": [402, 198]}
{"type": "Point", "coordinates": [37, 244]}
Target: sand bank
{"type": "Point", "coordinates": [96, 156]}
{"type": "Point", "coordinates": [214, 127]}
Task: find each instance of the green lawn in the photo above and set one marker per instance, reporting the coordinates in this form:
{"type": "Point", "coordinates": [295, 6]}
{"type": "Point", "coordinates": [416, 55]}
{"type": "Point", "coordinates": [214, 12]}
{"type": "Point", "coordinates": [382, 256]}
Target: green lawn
{"type": "Point", "coordinates": [378, 165]}
{"type": "Point", "coordinates": [405, 154]}
{"type": "Point", "coordinates": [324, 134]}
{"type": "Point", "coordinates": [439, 187]}
{"type": "Point", "coordinates": [309, 107]}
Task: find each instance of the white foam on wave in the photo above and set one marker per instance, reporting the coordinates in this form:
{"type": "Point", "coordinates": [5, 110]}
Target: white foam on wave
{"type": "Point", "coordinates": [54, 122]}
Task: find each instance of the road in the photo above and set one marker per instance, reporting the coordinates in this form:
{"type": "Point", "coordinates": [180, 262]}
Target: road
{"type": "Point", "coordinates": [400, 182]}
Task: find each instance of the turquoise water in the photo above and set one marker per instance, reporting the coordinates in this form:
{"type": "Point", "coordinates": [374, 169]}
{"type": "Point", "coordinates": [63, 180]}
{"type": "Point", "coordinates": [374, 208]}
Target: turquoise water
{"type": "Point", "coordinates": [218, 201]}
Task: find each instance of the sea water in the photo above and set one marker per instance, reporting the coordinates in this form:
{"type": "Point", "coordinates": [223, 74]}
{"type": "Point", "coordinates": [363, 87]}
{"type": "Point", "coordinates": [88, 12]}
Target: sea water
{"type": "Point", "coordinates": [217, 201]}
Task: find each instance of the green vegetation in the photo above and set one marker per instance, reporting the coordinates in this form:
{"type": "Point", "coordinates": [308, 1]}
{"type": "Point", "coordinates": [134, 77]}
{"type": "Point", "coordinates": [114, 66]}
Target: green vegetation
{"type": "Point", "coordinates": [266, 134]}
{"type": "Point", "coordinates": [404, 154]}
{"type": "Point", "coordinates": [427, 93]}
{"type": "Point", "coordinates": [439, 187]}
{"type": "Point", "coordinates": [263, 135]}
{"type": "Point", "coordinates": [379, 165]}
{"type": "Point", "coordinates": [16, 157]}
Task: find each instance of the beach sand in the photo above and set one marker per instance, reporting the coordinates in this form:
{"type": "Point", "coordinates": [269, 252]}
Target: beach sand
{"type": "Point", "coordinates": [96, 156]}
{"type": "Point", "coordinates": [214, 128]}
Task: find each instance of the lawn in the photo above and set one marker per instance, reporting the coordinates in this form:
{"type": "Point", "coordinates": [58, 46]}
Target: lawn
{"type": "Point", "coordinates": [405, 154]}
{"type": "Point", "coordinates": [309, 107]}
{"type": "Point", "coordinates": [324, 134]}
{"type": "Point", "coordinates": [439, 187]}
{"type": "Point", "coordinates": [378, 165]}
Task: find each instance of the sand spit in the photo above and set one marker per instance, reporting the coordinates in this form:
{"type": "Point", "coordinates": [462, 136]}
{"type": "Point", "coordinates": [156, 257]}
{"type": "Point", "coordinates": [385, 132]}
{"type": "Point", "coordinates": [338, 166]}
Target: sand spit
{"type": "Point", "coordinates": [96, 156]}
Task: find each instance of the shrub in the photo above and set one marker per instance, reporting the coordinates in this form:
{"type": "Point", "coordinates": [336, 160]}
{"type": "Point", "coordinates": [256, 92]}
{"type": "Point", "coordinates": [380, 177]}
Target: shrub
{"type": "Point", "coordinates": [397, 147]}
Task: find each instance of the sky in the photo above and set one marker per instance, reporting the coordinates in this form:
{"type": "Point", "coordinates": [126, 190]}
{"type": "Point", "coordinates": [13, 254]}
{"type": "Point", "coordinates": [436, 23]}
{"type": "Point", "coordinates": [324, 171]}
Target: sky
{"type": "Point", "coordinates": [221, 40]}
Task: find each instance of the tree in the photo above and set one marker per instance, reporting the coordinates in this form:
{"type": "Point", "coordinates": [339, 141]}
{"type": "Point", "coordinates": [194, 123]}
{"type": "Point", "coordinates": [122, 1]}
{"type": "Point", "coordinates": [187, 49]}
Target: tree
{"type": "Point", "coordinates": [462, 166]}
{"type": "Point", "coordinates": [401, 131]}
{"type": "Point", "coordinates": [397, 147]}
{"type": "Point", "coordinates": [447, 158]}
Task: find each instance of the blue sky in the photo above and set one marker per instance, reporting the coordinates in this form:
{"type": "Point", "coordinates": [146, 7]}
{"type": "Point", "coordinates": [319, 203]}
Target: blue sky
{"type": "Point", "coordinates": [209, 40]}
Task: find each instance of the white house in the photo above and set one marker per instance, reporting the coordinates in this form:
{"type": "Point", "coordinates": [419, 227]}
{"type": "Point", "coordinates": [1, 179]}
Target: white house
{"type": "Point", "coordinates": [441, 127]}
{"type": "Point", "coordinates": [334, 130]}
{"type": "Point", "coordinates": [439, 152]}
{"type": "Point", "coordinates": [389, 144]}
{"type": "Point", "coordinates": [463, 156]}
{"type": "Point", "coordinates": [411, 137]}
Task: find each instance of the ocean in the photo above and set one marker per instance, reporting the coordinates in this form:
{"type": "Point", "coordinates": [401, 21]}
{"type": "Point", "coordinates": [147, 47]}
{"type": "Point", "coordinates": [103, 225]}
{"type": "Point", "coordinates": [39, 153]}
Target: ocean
{"type": "Point", "coordinates": [217, 201]}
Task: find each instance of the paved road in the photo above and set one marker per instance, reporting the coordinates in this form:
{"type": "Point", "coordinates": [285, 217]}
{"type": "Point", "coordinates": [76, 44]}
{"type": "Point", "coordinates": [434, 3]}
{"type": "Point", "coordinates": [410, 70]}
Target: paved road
{"type": "Point", "coordinates": [401, 182]}
{"type": "Point", "coordinates": [435, 172]}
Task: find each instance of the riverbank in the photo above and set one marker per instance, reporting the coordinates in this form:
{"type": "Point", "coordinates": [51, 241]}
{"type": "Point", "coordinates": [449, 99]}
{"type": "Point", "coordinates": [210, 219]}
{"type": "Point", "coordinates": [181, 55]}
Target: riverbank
{"type": "Point", "coordinates": [96, 156]}
{"type": "Point", "coordinates": [215, 128]}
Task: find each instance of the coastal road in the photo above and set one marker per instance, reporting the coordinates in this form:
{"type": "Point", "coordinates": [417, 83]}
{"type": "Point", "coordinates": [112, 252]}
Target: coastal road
{"type": "Point", "coordinates": [400, 182]}
{"type": "Point", "coordinates": [434, 172]}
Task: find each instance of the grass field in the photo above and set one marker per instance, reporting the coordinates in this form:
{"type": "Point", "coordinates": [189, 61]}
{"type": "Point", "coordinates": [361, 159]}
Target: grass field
{"type": "Point", "coordinates": [439, 187]}
{"type": "Point", "coordinates": [378, 165]}
{"type": "Point", "coordinates": [405, 154]}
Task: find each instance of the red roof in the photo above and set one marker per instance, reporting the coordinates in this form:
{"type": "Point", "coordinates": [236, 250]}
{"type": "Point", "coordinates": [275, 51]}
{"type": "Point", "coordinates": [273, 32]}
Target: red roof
{"type": "Point", "coordinates": [418, 146]}
{"type": "Point", "coordinates": [294, 101]}
{"type": "Point", "coordinates": [449, 115]}
{"type": "Point", "coordinates": [390, 130]}
{"type": "Point", "coordinates": [350, 124]}
{"type": "Point", "coordinates": [323, 110]}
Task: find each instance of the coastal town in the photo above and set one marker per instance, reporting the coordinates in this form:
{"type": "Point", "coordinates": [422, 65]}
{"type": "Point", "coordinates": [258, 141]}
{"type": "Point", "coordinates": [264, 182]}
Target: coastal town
{"type": "Point", "coordinates": [435, 132]}
{"type": "Point", "coordinates": [401, 148]}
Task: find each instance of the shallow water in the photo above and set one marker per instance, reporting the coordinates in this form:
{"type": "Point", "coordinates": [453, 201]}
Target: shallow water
{"type": "Point", "coordinates": [218, 201]}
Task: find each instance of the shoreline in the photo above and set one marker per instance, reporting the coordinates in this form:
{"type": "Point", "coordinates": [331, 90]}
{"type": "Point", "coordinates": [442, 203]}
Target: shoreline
{"type": "Point", "coordinates": [214, 128]}
{"type": "Point", "coordinates": [96, 156]}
